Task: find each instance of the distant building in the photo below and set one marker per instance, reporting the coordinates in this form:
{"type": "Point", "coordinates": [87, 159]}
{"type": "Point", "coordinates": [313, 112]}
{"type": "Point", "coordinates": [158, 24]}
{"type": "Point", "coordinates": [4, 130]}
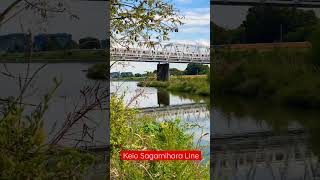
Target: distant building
{"type": "Point", "coordinates": [13, 42]}
{"type": "Point", "coordinates": [126, 74]}
{"type": "Point", "coordinates": [115, 74]}
{"type": "Point", "coordinates": [47, 42]}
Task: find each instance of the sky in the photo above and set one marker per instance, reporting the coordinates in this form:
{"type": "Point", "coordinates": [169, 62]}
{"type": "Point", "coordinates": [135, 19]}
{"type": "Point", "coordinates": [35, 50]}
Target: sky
{"type": "Point", "coordinates": [92, 20]}
{"type": "Point", "coordinates": [196, 29]}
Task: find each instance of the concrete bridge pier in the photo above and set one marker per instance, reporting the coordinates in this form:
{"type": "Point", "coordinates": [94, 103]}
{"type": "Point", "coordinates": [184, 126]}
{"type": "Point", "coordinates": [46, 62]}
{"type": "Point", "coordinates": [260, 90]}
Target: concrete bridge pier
{"type": "Point", "coordinates": [163, 72]}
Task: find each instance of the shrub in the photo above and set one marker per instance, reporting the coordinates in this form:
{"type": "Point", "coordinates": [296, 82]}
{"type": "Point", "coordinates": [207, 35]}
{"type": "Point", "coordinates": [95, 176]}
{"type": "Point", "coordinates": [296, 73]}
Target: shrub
{"type": "Point", "coordinates": [25, 155]}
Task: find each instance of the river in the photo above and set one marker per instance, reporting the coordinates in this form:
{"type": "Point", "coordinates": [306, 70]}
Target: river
{"type": "Point", "coordinates": [249, 139]}
{"type": "Point", "coordinates": [149, 97]}
{"type": "Point", "coordinates": [256, 140]}
{"type": "Point", "coordinates": [89, 131]}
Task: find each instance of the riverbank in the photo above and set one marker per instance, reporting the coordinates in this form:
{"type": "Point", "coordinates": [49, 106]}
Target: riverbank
{"type": "Point", "coordinates": [283, 76]}
{"type": "Point", "coordinates": [196, 85]}
{"type": "Point", "coordinates": [75, 55]}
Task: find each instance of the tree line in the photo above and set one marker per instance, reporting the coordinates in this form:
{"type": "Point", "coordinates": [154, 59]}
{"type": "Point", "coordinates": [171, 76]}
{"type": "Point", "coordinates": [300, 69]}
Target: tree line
{"type": "Point", "coordinates": [266, 24]}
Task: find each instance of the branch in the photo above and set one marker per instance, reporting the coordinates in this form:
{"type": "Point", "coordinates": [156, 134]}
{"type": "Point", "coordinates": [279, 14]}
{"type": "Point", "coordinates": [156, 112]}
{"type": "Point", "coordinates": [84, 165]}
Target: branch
{"type": "Point", "coordinates": [8, 9]}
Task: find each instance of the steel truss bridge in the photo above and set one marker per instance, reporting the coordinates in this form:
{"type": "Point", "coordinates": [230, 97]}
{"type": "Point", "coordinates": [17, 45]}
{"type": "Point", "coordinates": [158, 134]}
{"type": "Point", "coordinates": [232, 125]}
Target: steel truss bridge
{"type": "Point", "coordinates": [284, 3]}
{"type": "Point", "coordinates": [164, 53]}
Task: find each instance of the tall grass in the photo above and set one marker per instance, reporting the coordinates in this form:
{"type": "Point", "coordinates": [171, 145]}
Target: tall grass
{"type": "Point", "coordinates": [284, 76]}
{"type": "Point", "coordinates": [130, 132]}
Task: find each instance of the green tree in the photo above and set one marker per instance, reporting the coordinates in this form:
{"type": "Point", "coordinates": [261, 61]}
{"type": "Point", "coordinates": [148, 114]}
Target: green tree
{"type": "Point", "coordinates": [222, 36]}
{"type": "Point", "coordinates": [142, 22]}
{"type": "Point", "coordinates": [89, 43]}
{"type": "Point", "coordinates": [315, 41]}
{"type": "Point", "coordinates": [175, 72]}
{"type": "Point", "coordinates": [196, 69]}
{"type": "Point", "coordinates": [41, 8]}
{"type": "Point", "coordinates": [269, 24]}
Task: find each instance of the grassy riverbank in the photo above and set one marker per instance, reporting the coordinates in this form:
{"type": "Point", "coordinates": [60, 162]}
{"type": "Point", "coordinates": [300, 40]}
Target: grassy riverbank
{"type": "Point", "coordinates": [129, 132]}
{"type": "Point", "coordinates": [75, 55]}
{"type": "Point", "coordinates": [196, 85]}
{"type": "Point", "coordinates": [285, 76]}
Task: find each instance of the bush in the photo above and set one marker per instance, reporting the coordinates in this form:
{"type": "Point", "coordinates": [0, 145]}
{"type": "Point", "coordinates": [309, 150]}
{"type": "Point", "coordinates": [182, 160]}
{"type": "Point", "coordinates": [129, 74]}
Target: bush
{"type": "Point", "coordinates": [284, 76]}
{"type": "Point", "coordinates": [193, 85]}
{"type": "Point", "coordinates": [98, 71]}
{"type": "Point", "coordinates": [25, 155]}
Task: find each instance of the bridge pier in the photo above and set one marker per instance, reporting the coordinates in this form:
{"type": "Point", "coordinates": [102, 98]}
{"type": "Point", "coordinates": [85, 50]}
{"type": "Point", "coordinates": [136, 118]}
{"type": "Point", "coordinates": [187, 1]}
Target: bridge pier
{"type": "Point", "coordinates": [163, 72]}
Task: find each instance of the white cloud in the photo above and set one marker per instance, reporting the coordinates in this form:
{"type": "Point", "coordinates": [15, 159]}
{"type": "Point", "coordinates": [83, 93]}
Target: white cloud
{"type": "Point", "coordinates": [202, 42]}
{"type": "Point", "coordinates": [195, 29]}
{"type": "Point", "coordinates": [196, 16]}
{"type": "Point", "coordinates": [184, 1]}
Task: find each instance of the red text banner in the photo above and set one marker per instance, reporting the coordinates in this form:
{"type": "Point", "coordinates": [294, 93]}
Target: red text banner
{"type": "Point", "coordinates": [160, 155]}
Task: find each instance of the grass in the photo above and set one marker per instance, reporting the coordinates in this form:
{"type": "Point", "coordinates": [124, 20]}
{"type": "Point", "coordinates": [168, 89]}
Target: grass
{"type": "Point", "coordinates": [285, 76]}
{"type": "Point", "coordinates": [130, 132]}
{"type": "Point", "coordinates": [57, 56]}
{"type": "Point", "coordinates": [196, 85]}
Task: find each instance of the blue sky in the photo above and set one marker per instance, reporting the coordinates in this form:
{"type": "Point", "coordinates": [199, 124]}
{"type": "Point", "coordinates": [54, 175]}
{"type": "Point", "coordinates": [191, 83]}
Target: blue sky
{"type": "Point", "coordinates": [195, 30]}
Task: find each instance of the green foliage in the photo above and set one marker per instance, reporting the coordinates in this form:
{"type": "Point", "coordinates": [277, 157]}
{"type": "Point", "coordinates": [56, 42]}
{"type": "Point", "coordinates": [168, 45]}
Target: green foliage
{"type": "Point", "coordinates": [196, 69]}
{"type": "Point", "coordinates": [132, 132]}
{"type": "Point", "coordinates": [264, 23]}
{"type": "Point", "coordinates": [24, 153]}
{"type": "Point", "coordinates": [315, 41]}
{"type": "Point", "coordinates": [193, 85]}
{"type": "Point", "coordinates": [285, 76]}
{"type": "Point", "coordinates": [301, 34]}
{"type": "Point", "coordinates": [89, 43]}
{"type": "Point", "coordinates": [98, 71]}
{"type": "Point", "coordinates": [143, 21]}
{"type": "Point", "coordinates": [56, 56]}
{"type": "Point", "coordinates": [175, 72]}
{"type": "Point", "coordinates": [220, 35]}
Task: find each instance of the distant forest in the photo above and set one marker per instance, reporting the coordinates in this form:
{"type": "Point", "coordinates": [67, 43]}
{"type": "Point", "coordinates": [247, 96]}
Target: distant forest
{"type": "Point", "coordinates": [266, 24]}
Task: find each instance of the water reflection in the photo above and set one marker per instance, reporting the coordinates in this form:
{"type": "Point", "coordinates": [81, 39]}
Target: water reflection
{"type": "Point", "coordinates": [253, 140]}
{"type": "Point", "coordinates": [146, 96]}
{"type": "Point", "coordinates": [168, 106]}
{"type": "Point", "coordinates": [163, 97]}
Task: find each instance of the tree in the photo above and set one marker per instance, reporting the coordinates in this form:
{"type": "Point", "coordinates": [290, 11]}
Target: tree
{"type": "Point", "coordinates": [89, 43]}
{"type": "Point", "coordinates": [175, 72]}
{"type": "Point", "coordinates": [221, 36]}
{"type": "Point", "coordinates": [142, 22]}
{"type": "Point", "coordinates": [42, 8]}
{"type": "Point", "coordinates": [269, 24]}
{"type": "Point", "coordinates": [196, 69]}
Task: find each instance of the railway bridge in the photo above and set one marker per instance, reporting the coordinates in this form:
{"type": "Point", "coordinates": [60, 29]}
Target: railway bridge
{"type": "Point", "coordinates": [163, 54]}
